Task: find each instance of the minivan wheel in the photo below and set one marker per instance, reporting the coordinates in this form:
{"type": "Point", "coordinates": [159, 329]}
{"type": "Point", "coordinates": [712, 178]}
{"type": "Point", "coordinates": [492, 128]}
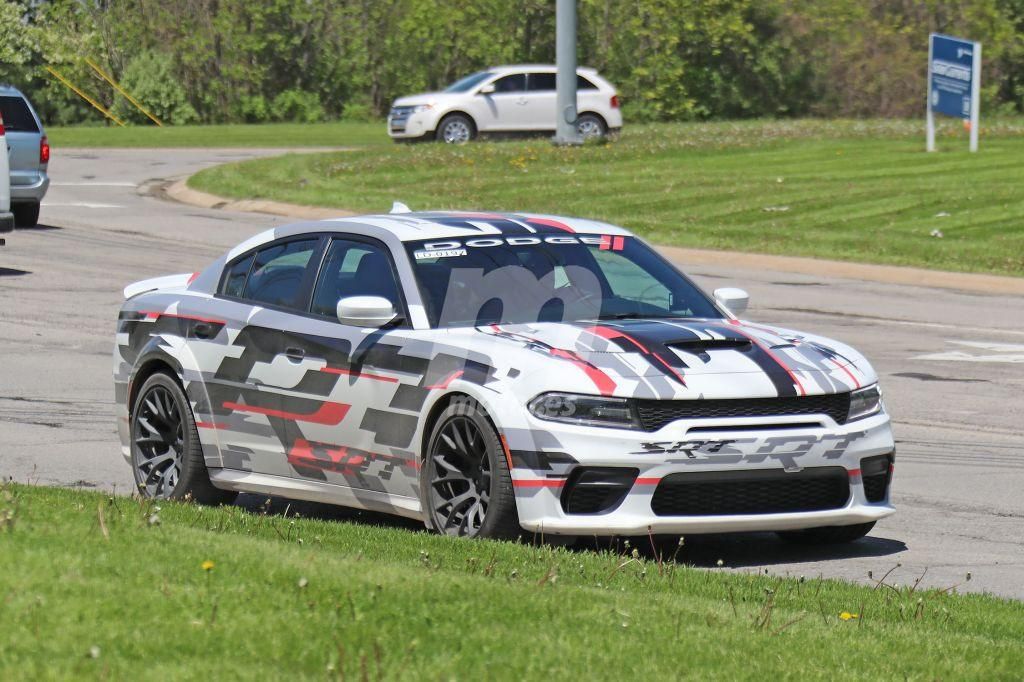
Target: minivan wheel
{"type": "Point", "coordinates": [590, 126]}
{"type": "Point", "coordinates": [26, 215]}
{"type": "Point", "coordinates": [455, 129]}
{"type": "Point", "coordinates": [167, 458]}
{"type": "Point", "coordinates": [466, 485]}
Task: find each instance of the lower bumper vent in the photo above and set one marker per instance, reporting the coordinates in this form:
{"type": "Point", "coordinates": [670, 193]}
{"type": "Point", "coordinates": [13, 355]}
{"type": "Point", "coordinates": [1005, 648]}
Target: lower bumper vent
{"type": "Point", "coordinates": [772, 491]}
{"type": "Point", "coordinates": [596, 490]}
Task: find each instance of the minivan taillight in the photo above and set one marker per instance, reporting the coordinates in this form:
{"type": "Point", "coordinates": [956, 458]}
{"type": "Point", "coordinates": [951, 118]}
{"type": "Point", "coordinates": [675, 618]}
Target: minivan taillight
{"type": "Point", "coordinates": [615, 102]}
{"type": "Point", "coordinates": [44, 150]}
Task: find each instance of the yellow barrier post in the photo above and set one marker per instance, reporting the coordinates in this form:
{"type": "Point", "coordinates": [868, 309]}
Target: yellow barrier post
{"type": "Point", "coordinates": [121, 90]}
{"type": "Point", "coordinates": [99, 107]}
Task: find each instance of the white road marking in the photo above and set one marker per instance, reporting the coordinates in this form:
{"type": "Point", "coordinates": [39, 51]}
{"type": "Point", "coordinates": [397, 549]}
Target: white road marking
{"type": "Point", "coordinates": [81, 204]}
{"type": "Point", "coordinates": [93, 184]}
{"type": "Point", "coordinates": [1004, 352]}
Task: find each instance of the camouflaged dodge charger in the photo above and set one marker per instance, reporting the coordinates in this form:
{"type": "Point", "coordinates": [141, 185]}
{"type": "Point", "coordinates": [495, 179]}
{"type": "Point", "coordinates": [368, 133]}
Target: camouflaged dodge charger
{"type": "Point", "coordinates": [494, 375]}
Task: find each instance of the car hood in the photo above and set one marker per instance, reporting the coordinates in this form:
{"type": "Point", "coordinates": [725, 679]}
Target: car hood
{"type": "Point", "coordinates": [427, 98]}
{"type": "Point", "coordinates": [689, 354]}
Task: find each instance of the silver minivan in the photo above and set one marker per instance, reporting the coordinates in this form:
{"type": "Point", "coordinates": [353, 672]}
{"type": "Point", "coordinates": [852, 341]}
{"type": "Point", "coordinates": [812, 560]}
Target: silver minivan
{"type": "Point", "coordinates": [28, 152]}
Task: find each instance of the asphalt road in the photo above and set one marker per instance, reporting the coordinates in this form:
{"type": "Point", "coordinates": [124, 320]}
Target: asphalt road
{"type": "Point", "coordinates": [952, 365]}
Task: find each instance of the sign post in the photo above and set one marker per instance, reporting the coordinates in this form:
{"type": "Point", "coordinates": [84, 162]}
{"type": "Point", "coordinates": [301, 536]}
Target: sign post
{"type": "Point", "coordinates": [954, 83]}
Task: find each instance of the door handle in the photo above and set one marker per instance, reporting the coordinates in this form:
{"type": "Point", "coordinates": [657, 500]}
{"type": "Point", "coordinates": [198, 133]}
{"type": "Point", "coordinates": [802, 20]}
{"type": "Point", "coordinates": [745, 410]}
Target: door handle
{"type": "Point", "coordinates": [295, 354]}
{"type": "Point", "coordinates": [203, 330]}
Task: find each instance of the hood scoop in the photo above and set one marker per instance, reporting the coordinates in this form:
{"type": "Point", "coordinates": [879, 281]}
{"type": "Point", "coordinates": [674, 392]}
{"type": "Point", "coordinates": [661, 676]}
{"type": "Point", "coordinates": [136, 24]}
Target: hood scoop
{"type": "Point", "coordinates": [701, 347]}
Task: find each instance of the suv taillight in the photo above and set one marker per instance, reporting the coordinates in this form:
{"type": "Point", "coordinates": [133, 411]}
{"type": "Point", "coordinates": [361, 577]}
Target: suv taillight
{"type": "Point", "coordinates": [615, 102]}
{"type": "Point", "coordinates": [1, 126]}
{"type": "Point", "coordinates": [44, 150]}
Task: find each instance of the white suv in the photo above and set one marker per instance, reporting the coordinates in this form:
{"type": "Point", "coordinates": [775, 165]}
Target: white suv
{"type": "Point", "coordinates": [504, 99]}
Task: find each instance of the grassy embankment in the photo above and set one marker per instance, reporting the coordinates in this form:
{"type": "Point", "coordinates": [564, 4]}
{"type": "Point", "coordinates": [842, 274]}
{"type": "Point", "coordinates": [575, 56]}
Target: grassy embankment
{"type": "Point", "coordinates": [850, 190]}
{"type": "Point", "coordinates": [98, 587]}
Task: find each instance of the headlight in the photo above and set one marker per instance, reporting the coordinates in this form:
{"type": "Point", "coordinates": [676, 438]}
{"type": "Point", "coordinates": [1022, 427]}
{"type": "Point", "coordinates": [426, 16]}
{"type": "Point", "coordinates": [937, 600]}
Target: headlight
{"type": "Point", "coordinates": [589, 410]}
{"type": "Point", "coordinates": [865, 402]}
{"type": "Point", "coordinates": [420, 108]}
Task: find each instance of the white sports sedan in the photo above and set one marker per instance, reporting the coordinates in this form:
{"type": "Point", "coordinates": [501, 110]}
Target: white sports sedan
{"type": "Point", "coordinates": [494, 375]}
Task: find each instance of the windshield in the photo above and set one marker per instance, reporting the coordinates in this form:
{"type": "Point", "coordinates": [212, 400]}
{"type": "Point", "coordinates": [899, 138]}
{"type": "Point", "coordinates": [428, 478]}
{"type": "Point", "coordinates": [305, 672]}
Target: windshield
{"type": "Point", "coordinates": [545, 278]}
{"type": "Point", "coordinates": [467, 83]}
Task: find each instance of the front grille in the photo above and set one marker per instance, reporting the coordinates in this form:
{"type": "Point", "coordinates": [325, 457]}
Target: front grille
{"type": "Point", "coordinates": [400, 112]}
{"type": "Point", "coordinates": [876, 473]}
{"type": "Point", "coordinates": [655, 414]}
{"type": "Point", "coordinates": [772, 491]}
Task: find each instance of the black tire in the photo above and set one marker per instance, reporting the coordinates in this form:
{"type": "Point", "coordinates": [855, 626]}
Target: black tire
{"type": "Point", "coordinates": [163, 430]}
{"type": "Point", "coordinates": [468, 464]}
{"type": "Point", "coordinates": [828, 535]}
{"type": "Point", "coordinates": [591, 127]}
{"type": "Point", "coordinates": [25, 215]}
{"type": "Point", "coordinates": [455, 129]}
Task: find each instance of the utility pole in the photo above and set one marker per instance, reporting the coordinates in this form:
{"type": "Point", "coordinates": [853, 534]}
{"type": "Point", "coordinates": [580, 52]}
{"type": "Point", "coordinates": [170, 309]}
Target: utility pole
{"type": "Point", "coordinates": [565, 53]}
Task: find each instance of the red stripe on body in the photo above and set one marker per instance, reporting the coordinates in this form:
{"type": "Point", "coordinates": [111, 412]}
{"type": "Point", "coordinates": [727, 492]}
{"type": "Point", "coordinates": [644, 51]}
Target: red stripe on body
{"type": "Point", "coordinates": [538, 483]}
{"type": "Point", "coordinates": [853, 472]}
{"type": "Point", "coordinates": [647, 481]}
{"type": "Point", "coordinates": [360, 375]}
{"type": "Point", "coordinates": [551, 223]}
{"type": "Point", "coordinates": [606, 242]}
{"type": "Point", "coordinates": [329, 414]}
{"type": "Point", "coordinates": [604, 383]}
{"type": "Point", "coordinates": [211, 425]}
{"type": "Point", "coordinates": [153, 314]}
{"type": "Point", "coordinates": [447, 381]}
{"type": "Point", "coordinates": [856, 383]}
{"type": "Point", "coordinates": [796, 380]}
{"type": "Point", "coordinates": [618, 243]}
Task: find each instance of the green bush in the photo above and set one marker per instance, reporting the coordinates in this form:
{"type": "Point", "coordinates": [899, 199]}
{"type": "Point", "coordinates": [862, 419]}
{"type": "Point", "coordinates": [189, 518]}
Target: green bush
{"type": "Point", "coordinates": [151, 80]}
{"type": "Point", "coordinates": [297, 106]}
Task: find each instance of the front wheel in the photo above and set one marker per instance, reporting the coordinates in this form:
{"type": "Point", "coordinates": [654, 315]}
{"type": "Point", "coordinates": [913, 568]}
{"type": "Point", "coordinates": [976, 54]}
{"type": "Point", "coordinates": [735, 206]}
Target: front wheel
{"type": "Point", "coordinates": [828, 535]}
{"type": "Point", "coordinates": [455, 129]}
{"type": "Point", "coordinates": [167, 458]}
{"type": "Point", "coordinates": [466, 485]}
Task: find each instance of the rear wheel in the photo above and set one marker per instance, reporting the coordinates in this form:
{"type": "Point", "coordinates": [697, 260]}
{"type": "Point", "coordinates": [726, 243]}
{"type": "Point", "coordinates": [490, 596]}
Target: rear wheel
{"type": "Point", "coordinates": [590, 127]}
{"type": "Point", "coordinates": [167, 458]}
{"type": "Point", "coordinates": [828, 535]}
{"type": "Point", "coordinates": [26, 215]}
{"type": "Point", "coordinates": [455, 129]}
{"type": "Point", "coordinates": [466, 485]}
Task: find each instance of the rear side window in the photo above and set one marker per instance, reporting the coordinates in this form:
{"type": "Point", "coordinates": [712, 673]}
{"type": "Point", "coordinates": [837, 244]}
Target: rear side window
{"type": "Point", "coordinates": [234, 280]}
{"type": "Point", "coordinates": [278, 272]}
{"type": "Point", "coordinates": [354, 268]}
{"type": "Point", "coordinates": [512, 83]}
{"type": "Point", "coordinates": [584, 84]}
{"type": "Point", "coordinates": [542, 81]}
{"type": "Point", "coordinates": [17, 116]}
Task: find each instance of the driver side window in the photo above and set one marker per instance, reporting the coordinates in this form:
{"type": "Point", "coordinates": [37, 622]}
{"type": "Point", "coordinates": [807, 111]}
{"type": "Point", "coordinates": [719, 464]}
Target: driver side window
{"type": "Point", "coordinates": [353, 268]}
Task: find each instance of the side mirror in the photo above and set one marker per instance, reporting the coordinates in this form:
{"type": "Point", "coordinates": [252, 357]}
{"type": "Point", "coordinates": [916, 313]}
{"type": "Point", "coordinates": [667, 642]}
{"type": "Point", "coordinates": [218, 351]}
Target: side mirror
{"type": "Point", "coordinates": [486, 89]}
{"type": "Point", "coordinates": [366, 311]}
{"type": "Point", "coordinates": [733, 300]}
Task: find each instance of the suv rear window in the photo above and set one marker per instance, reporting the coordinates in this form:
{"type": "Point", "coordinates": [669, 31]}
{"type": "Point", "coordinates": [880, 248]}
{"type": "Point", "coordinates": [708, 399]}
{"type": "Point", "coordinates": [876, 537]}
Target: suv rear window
{"type": "Point", "coordinates": [17, 116]}
{"type": "Point", "coordinates": [547, 81]}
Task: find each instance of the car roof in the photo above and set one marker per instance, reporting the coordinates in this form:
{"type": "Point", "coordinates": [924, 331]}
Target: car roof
{"type": "Point", "coordinates": [10, 90]}
{"type": "Point", "coordinates": [537, 67]}
{"type": "Point", "coordinates": [421, 225]}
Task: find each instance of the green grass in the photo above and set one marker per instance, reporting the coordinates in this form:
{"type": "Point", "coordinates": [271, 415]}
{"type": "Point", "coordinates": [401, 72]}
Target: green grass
{"type": "Point", "coordinates": [861, 191]}
{"type": "Point", "coordinates": [268, 135]}
{"type": "Point", "coordinates": [98, 587]}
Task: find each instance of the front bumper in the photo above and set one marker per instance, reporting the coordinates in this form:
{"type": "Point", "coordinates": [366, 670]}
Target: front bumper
{"type": "Point", "coordinates": [542, 476]}
{"type": "Point", "coordinates": [6, 222]}
{"type": "Point", "coordinates": [412, 125]}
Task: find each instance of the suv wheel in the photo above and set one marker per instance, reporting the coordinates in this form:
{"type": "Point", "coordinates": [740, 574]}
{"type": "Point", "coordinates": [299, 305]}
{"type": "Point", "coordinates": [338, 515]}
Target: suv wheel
{"type": "Point", "coordinates": [455, 129]}
{"type": "Point", "coordinates": [466, 485]}
{"type": "Point", "coordinates": [26, 215]}
{"type": "Point", "coordinates": [590, 126]}
{"type": "Point", "coordinates": [167, 458]}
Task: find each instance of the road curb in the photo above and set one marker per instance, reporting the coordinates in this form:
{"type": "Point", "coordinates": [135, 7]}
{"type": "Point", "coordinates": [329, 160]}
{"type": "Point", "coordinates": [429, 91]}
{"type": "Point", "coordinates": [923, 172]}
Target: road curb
{"type": "Point", "coordinates": [179, 191]}
{"type": "Point", "coordinates": [886, 274]}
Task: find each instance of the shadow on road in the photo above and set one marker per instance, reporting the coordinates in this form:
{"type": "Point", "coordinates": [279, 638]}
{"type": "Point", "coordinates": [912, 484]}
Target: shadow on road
{"type": "Point", "coordinates": [13, 272]}
{"type": "Point", "coordinates": [734, 550]}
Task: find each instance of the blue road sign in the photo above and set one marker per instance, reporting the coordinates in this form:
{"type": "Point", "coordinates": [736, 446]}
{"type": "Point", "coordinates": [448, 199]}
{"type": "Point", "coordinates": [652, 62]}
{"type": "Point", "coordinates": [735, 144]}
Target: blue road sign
{"type": "Point", "coordinates": [951, 76]}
